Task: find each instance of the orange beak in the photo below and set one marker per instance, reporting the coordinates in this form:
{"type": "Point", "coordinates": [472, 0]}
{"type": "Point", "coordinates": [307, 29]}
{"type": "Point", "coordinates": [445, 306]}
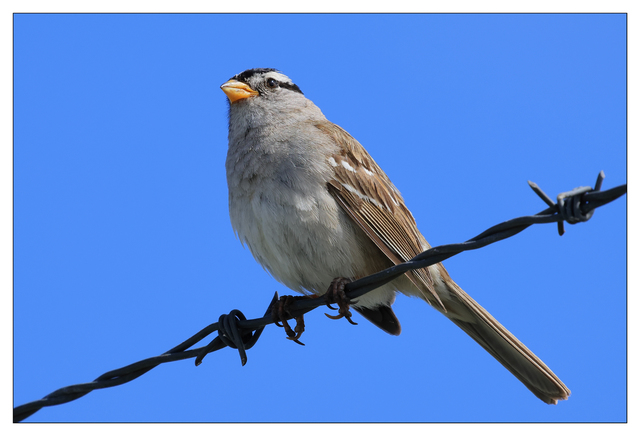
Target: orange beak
{"type": "Point", "coordinates": [237, 90]}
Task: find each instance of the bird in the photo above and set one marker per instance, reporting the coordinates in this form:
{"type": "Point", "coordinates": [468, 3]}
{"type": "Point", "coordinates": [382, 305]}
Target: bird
{"type": "Point", "coordinates": [316, 211]}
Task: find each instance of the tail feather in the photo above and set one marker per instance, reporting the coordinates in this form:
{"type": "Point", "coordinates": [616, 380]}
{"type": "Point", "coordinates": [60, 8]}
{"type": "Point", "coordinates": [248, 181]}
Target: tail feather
{"type": "Point", "coordinates": [474, 320]}
{"type": "Point", "coordinates": [383, 317]}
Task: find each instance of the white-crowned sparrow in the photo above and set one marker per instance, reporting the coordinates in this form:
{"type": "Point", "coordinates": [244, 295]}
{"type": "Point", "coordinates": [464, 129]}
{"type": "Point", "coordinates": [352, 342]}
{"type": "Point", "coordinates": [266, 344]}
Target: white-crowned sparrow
{"type": "Point", "coordinates": [313, 206]}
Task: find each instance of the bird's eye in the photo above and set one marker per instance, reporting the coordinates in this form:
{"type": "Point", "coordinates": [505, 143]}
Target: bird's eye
{"type": "Point", "coordinates": [271, 82]}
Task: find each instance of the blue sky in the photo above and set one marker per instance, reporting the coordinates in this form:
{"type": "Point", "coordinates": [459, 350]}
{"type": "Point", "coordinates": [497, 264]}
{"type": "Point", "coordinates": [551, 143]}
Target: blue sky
{"type": "Point", "coordinates": [123, 246]}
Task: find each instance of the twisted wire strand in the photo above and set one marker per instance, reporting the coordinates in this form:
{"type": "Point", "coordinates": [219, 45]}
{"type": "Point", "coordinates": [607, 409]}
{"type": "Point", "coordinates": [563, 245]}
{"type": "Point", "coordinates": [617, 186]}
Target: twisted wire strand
{"type": "Point", "coordinates": [235, 331]}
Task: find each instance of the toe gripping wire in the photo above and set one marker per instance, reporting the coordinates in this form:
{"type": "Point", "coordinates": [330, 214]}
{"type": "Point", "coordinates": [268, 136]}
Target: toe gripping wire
{"type": "Point", "coordinates": [570, 203]}
{"type": "Point", "coordinates": [235, 331]}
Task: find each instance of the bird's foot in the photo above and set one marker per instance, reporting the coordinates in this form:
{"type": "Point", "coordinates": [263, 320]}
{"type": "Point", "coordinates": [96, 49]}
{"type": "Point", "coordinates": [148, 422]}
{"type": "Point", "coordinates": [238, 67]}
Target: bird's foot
{"type": "Point", "coordinates": [335, 295]}
{"type": "Point", "coordinates": [280, 313]}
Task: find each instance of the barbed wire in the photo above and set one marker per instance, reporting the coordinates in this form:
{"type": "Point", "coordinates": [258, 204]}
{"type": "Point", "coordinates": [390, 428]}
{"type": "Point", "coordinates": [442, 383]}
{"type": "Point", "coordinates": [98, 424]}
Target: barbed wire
{"type": "Point", "coordinates": [235, 331]}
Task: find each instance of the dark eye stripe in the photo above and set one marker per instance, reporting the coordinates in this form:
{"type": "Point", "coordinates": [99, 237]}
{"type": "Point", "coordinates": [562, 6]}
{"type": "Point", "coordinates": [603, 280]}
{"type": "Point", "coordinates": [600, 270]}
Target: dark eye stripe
{"type": "Point", "coordinates": [246, 75]}
{"type": "Point", "coordinates": [291, 86]}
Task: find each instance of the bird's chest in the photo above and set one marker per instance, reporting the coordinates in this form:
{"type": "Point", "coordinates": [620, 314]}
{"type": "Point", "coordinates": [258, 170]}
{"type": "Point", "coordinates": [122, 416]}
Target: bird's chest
{"type": "Point", "coordinates": [271, 211]}
{"type": "Point", "coordinates": [281, 209]}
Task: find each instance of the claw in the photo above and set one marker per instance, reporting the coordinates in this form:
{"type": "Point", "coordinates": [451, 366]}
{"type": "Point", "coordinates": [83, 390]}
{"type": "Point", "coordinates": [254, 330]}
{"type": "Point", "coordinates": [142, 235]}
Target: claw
{"type": "Point", "coordinates": [280, 313]}
{"type": "Point", "coordinates": [298, 331]}
{"type": "Point", "coordinates": [335, 294]}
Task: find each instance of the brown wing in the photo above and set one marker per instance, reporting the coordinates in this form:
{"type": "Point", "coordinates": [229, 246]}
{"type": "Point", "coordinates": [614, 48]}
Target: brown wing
{"type": "Point", "coordinates": [370, 199]}
{"type": "Point", "coordinates": [367, 195]}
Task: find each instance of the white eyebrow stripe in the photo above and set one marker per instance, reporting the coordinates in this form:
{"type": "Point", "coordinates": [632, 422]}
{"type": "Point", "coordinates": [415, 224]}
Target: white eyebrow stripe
{"type": "Point", "coordinates": [279, 77]}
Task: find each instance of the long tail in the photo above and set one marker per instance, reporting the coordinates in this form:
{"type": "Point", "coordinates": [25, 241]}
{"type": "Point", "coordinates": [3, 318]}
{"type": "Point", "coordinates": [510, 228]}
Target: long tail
{"type": "Point", "coordinates": [501, 344]}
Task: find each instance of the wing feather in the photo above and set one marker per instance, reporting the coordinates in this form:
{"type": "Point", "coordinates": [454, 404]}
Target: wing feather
{"type": "Point", "coordinates": [367, 195]}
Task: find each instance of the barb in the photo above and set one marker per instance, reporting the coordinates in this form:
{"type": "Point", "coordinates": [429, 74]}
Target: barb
{"type": "Point", "coordinates": [235, 331]}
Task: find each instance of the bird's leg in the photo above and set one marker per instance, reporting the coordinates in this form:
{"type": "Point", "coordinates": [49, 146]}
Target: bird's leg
{"type": "Point", "coordinates": [335, 294]}
{"type": "Point", "coordinates": [280, 313]}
